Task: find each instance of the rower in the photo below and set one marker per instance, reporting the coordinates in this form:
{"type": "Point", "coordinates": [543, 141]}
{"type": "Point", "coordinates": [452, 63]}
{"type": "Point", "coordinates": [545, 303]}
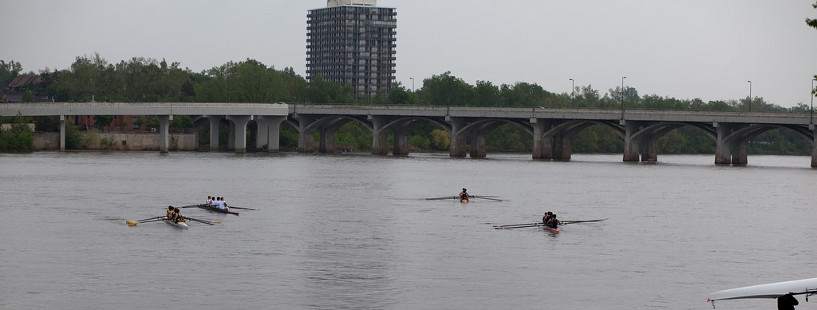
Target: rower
{"type": "Point", "coordinates": [464, 194]}
{"type": "Point", "coordinates": [179, 217]}
{"type": "Point", "coordinates": [786, 302]}
{"type": "Point", "coordinates": [546, 218]}
{"type": "Point", "coordinates": [170, 213]}
{"type": "Point", "coordinates": [209, 200]}
{"type": "Point", "coordinates": [219, 203]}
{"type": "Point", "coordinates": [553, 222]}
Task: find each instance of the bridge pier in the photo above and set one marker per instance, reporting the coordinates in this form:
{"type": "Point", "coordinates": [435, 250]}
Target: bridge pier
{"type": "Point", "coordinates": [813, 131]}
{"type": "Point", "coordinates": [327, 143]}
{"type": "Point", "coordinates": [62, 132]}
{"type": "Point", "coordinates": [730, 148]}
{"type": "Point", "coordinates": [380, 142]}
{"type": "Point", "coordinates": [269, 132]}
{"type": "Point", "coordinates": [458, 140]}
{"type": "Point", "coordinates": [164, 132]}
{"type": "Point", "coordinates": [214, 124]}
{"type": "Point", "coordinates": [306, 142]}
{"type": "Point", "coordinates": [561, 147]}
{"type": "Point", "coordinates": [539, 128]}
{"type": "Point", "coordinates": [630, 143]}
{"type": "Point", "coordinates": [650, 153]}
{"type": "Point", "coordinates": [400, 145]}
{"type": "Point", "coordinates": [478, 144]}
{"type": "Point", "coordinates": [739, 154]}
{"type": "Point", "coordinates": [238, 130]}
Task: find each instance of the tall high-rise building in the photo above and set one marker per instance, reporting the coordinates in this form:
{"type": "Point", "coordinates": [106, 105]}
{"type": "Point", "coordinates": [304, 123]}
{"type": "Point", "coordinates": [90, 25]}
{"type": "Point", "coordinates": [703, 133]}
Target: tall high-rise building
{"type": "Point", "coordinates": [352, 42]}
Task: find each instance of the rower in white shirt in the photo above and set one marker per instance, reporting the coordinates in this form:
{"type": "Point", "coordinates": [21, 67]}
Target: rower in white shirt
{"type": "Point", "coordinates": [219, 203]}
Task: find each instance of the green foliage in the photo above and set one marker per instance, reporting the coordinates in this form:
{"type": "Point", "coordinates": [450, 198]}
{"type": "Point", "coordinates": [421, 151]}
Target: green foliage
{"type": "Point", "coordinates": [19, 138]}
{"type": "Point", "coordinates": [812, 22]}
{"type": "Point", "coordinates": [28, 96]}
{"type": "Point", "coordinates": [322, 91]}
{"type": "Point", "coordinates": [9, 70]}
{"type": "Point", "coordinates": [182, 121]}
{"type": "Point", "coordinates": [103, 120]}
{"type": "Point", "coordinates": [73, 138]}
{"type": "Point", "coordinates": [440, 139]}
{"type": "Point", "coordinates": [107, 144]}
{"type": "Point", "coordinates": [509, 138]}
{"type": "Point", "coordinates": [447, 90]}
{"type": "Point", "coordinates": [354, 135]}
{"type": "Point", "coordinates": [288, 138]}
{"type": "Point", "coordinates": [597, 139]}
{"type": "Point", "coordinates": [47, 123]}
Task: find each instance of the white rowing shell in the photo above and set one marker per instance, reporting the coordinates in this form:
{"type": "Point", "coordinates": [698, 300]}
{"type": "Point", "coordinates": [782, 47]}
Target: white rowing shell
{"type": "Point", "coordinates": [771, 290]}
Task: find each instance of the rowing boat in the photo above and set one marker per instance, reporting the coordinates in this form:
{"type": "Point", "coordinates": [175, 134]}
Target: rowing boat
{"type": "Point", "coordinates": [181, 225]}
{"type": "Point", "coordinates": [771, 290]}
{"type": "Point", "coordinates": [548, 228]}
{"type": "Point", "coordinates": [214, 209]}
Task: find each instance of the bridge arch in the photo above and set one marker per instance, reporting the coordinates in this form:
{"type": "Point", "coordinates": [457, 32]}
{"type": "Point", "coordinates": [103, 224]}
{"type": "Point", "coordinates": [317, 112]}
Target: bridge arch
{"type": "Point", "coordinates": [400, 128]}
{"type": "Point", "coordinates": [734, 139]}
{"type": "Point", "coordinates": [642, 137]}
{"type": "Point", "coordinates": [553, 139]}
{"type": "Point", "coordinates": [462, 129]}
{"type": "Point", "coordinates": [326, 126]}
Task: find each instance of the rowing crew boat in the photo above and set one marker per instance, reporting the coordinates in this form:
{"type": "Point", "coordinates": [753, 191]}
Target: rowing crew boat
{"type": "Point", "coordinates": [550, 229]}
{"type": "Point", "coordinates": [214, 209]}
{"type": "Point", "coordinates": [181, 225]}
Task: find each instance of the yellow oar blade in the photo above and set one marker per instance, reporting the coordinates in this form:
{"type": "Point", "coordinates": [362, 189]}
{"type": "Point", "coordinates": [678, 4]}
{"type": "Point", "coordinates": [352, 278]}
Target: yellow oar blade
{"type": "Point", "coordinates": [131, 223]}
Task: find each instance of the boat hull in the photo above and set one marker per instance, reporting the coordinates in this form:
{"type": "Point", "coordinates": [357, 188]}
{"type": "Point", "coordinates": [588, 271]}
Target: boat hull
{"type": "Point", "coordinates": [181, 225]}
{"type": "Point", "coordinates": [771, 290]}
{"type": "Point", "coordinates": [214, 209]}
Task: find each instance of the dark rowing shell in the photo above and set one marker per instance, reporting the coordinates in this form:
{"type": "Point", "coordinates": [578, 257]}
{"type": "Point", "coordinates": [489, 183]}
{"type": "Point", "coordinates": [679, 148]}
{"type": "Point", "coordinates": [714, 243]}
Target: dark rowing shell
{"type": "Point", "coordinates": [214, 209]}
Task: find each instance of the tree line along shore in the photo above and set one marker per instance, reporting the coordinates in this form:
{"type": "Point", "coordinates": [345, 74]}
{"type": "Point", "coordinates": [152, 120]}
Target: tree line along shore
{"type": "Point", "coordinates": [149, 80]}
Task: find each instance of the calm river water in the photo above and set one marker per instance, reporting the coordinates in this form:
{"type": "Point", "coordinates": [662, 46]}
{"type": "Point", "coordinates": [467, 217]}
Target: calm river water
{"type": "Point", "coordinates": [354, 231]}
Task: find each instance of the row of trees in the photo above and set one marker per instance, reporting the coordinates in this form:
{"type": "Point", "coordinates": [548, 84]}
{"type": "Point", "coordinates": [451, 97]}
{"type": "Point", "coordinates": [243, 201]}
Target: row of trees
{"type": "Point", "coordinates": [149, 80]}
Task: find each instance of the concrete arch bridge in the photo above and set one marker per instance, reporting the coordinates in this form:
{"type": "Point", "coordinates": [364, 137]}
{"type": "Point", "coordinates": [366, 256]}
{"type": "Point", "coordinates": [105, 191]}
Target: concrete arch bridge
{"type": "Point", "coordinates": [552, 129]}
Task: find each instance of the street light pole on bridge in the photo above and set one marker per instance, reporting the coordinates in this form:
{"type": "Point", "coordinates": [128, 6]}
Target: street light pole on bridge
{"type": "Point", "coordinates": [622, 96]}
{"type": "Point", "coordinates": [572, 92]}
{"type": "Point", "coordinates": [750, 96]}
{"type": "Point", "coordinates": [812, 94]}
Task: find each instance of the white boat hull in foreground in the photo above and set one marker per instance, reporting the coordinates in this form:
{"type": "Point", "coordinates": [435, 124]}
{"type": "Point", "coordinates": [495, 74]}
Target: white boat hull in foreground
{"type": "Point", "coordinates": [771, 290]}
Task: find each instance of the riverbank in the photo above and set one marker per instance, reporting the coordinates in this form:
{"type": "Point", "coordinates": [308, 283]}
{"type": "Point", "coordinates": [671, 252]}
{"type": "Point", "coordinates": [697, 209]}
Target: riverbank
{"type": "Point", "coordinates": [49, 141]}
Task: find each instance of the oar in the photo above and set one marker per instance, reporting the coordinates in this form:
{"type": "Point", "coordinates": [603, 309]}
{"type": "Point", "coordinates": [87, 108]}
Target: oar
{"type": "Point", "coordinates": [512, 227]}
{"type": "Point", "coordinates": [150, 219]}
{"type": "Point", "coordinates": [442, 198]}
{"type": "Point", "coordinates": [517, 226]}
{"type": "Point", "coordinates": [240, 208]}
{"type": "Point", "coordinates": [190, 206]}
{"type": "Point", "coordinates": [584, 221]}
{"type": "Point", "coordinates": [201, 221]}
{"type": "Point", "coordinates": [485, 197]}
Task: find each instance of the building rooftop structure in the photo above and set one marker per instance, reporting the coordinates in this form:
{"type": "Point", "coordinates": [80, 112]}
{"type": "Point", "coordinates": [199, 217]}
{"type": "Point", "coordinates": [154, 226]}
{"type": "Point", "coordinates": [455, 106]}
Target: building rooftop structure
{"type": "Point", "coordinates": [334, 3]}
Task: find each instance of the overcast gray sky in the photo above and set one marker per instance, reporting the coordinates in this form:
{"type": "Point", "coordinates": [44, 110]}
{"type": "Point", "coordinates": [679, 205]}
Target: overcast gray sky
{"type": "Point", "coordinates": [687, 49]}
